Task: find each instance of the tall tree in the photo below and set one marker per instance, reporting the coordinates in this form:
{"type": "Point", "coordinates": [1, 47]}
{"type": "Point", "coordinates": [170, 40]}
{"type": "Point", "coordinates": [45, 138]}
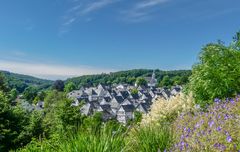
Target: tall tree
{"type": "Point", "coordinates": [58, 85]}
{"type": "Point", "coordinates": [70, 87]}
{"type": "Point", "coordinates": [141, 81]}
{"type": "Point", "coordinates": [30, 93]}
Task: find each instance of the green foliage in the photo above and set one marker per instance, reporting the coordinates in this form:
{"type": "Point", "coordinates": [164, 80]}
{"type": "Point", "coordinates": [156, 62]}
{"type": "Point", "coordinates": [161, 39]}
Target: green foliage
{"type": "Point", "coordinates": [30, 93]}
{"type": "Point", "coordinates": [128, 77]}
{"type": "Point", "coordinates": [3, 84]}
{"type": "Point", "coordinates": [40, 97]}
{"type": "Point", "coordinates": [17, 127]}
{"type": "Point", "coordinates": [134, 91]}
{"type": "Point", "coordinates": [60, 115]}
{"type": "Point", "coordinates": [70, 116]}
{"type": "Point", "coordinates": [21, 82]}
{"type": "Point", "coordinates": [70, 87]}
{"type": "Point", "coordinates": [13, 94]}
{"type": "Point", "coordinates": [137, 117]}
{"type": "Point", "coordinates": [166, 82]}
{"type": "Point", "coordinates": [104, 141]}
{"type": "Point", "coordinates": [141, 81]}
{"type": "Point", "coordinates": [236, 41]}
{"type": "Point", "coordinates": [216, 75]}
{"type": "Point", "coordinates": [150, 138]}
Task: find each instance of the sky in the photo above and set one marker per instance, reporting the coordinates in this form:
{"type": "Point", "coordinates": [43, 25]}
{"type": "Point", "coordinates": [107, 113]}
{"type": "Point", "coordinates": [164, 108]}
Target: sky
{"type": "Point", "coordinates": [57, 39]}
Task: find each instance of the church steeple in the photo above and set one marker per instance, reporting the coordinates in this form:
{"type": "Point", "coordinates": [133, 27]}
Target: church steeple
{"type": "Point", "coordinates": [153, 75]}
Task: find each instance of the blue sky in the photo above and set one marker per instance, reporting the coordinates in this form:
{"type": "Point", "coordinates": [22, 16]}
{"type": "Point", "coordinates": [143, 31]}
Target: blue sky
{"type": "Point", "coordinates": [64, 38]}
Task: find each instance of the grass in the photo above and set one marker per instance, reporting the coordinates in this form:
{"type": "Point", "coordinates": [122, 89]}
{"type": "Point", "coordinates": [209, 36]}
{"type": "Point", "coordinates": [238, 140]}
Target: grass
{"type": "Point", "coordinates": [150, 138]}
{"type": "Point", "coordinates": [83, 141]}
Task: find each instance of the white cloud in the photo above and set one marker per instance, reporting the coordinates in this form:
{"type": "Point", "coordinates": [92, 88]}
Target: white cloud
{"type": "Point", "coordinates": [52, 72]}
{"type": "Point", "coordinates": [81, 9]}
{"type": "Point", "coordinates": [149, 3]}
{"type": "Point", "coordinates": [91, 7]}
{"type": "Point", "coordinates": [142, 10]}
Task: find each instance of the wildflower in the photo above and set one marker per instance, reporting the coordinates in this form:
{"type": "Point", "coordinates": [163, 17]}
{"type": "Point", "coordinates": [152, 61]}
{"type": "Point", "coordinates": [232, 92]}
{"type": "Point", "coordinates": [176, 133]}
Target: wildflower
{"type": "Point", "coordinates": [217, 100]}
{"type": "Point", "coordinates": [211, 123]}
{"type": "Point", "coordinates": [229, 138]}
{"type": "Point", "coordinates": [232, 101]}
{"type": "Point", "coordinates": [219, 128]}
{"type": "Point", "coordinates": [197, 125]}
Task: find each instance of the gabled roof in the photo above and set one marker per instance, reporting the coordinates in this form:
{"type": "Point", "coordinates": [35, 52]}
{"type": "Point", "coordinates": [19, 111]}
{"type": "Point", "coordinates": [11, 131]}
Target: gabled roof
{"type": "Point", "coordinates": [119, 99]}
{"type": "Point", "coordinates": [143, 107]}
{"type": "Point", "coordinates": [126, 102]}
{"type": "Point", "coordinates": [135, 96]}
{"type": "Point", "coordinates": [107, 99]}
{"type": "Point", "coordinates": [91, 92]}
{"type": "Point", "coordinates": [87, 108]}
{"type": "Point", "coordinates": [101, 86]}
{"type": "Point", "coordinates": [128, 108]}
{"type": "Point", "coordinates": [106, 108]}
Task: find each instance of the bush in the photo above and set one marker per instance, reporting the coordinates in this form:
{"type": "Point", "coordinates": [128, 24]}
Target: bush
{"type": "Point", "coordinates": [217, 129]}
{"type": "Point", "coordinates": [216, 74]}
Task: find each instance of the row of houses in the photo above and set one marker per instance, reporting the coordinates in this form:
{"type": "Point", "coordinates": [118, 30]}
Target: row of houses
{"type": "Point", "coordinates": [120, 101]}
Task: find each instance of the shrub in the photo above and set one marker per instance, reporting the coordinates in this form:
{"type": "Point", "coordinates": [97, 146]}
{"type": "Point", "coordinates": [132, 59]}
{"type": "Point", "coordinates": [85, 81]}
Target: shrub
{"type": "Point", "coordinates": [216, 74]}
{"type": "Point", "coordinates": [217, 129]}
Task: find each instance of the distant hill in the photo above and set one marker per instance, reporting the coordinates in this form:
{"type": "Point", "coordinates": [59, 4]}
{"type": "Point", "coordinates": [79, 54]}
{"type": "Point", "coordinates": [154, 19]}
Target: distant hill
{"type": "Point", "coordinates": [129, 77]}
{"type": "Point", "coordinates": [20, 82]}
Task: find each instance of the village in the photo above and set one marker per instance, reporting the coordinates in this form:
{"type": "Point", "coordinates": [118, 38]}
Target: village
{"type": "Point", "coordinates": [119, 101]}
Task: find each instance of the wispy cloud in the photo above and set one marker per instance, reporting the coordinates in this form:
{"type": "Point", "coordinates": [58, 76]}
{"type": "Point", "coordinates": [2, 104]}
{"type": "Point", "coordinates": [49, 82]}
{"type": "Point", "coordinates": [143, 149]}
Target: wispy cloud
{"type": "Point", "coordinates": [47, 71]}
{"type": "Point", "coordinates": [142, 10]}
{"type": "Point", "coordinates": [81, 9]}
{"type": "Point", "coordinates": [94, 6]}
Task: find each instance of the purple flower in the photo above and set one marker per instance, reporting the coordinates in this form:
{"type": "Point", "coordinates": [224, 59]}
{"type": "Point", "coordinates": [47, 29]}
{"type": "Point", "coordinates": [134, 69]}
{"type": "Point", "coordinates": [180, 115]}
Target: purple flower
{"type": "Point", "coordinates": [219, 128]}
{"type": "Point", "coordinates": [197, 125]}
{"type": "Point", "coordinates": [182, 143]}
{"type": "Point", "coordinates": [217, 100]}
{"type": "Point", "coordinates": [229, 139]}
{"type": "Point", "coordinates": [211, 123]}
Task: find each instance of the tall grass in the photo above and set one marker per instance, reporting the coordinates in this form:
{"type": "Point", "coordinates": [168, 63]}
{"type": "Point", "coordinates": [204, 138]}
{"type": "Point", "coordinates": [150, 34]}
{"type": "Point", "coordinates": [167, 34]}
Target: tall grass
{"type": "Point", "coordinates": [105, 140]}
{"type": "Point", "coordinates": [168, 110]}
{"type": "Point", "coordinates": [151, 138]}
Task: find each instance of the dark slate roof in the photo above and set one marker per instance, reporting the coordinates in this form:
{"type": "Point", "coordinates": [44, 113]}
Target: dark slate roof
{"type": "Point", "coordinates": [135, 96]}
{"type": "Point", "coordinates": [119, 99]}
{"type": "Point", "coordinates": [101, 86]}
{"type": "Point", "coordinates": [108, 99]}
{"type": "Point", "coordinates": [143, 107]}
{"type": "Point", "coordinates": [95, 104]}
{"type": "Point", "coordinates": [128, 108]}
{"type": "Point", "coordinates": [148, 96]}
{"type": "Point", "coordinates": [178, 89]}
{"type": "Point", "coordinates": [125, 94]}
{"type": "Point", "coordinates": [93, 92]}
{"type": "Point", "coordinates": [106, 108]}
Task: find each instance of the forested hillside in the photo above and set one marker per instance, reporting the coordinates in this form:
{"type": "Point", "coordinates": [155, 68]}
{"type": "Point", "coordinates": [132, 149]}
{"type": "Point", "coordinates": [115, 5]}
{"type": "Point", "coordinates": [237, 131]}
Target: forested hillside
{"type": "Point", "coordinates": [165, 78]}
{"type": "Point", "coordinates": [21, 82]}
